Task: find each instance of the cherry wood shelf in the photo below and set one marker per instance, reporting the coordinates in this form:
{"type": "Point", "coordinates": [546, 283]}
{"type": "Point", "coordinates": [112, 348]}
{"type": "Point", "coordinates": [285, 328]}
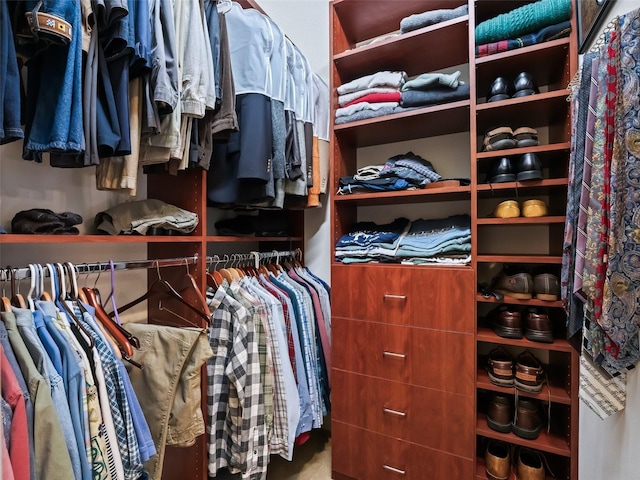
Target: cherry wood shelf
{"type": "Point", "coordinates": [552, 147]}
{"type": "Point", "coordinates": [489, 336]}
{"type": "Point", "coordinates": [519, 259]}
{"type": "Point", "coordinates": [404, 266]}
{"type": "Point", "coordinates": [557, 392]}
{"type": "Point", "coordinates": [366, 19]}
{"type": "Point", "coordinates": [407, 196]}
{"type": "Point", "coordinates": [20, 238]}
{"type": "Point", "coordinates": [514, 301]}
{"type": "Point", "coordinates": [541, 109]}
{"type": "Point", "coordinates": [546, 442]}
{"type": "Point", "coordinates": [406, 52]}
{"type": "Point", "coordinates": [521, 220]}
{"type": "Point", "coordinates": [230, 239]}
{"type": "Point", "coordinates": [414, 123]}
{"type": "Point", "coordinates": [541, 186]}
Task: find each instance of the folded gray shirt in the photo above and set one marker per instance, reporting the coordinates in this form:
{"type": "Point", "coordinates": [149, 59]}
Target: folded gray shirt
{"type": "Point", "coordinates": [420, 20]}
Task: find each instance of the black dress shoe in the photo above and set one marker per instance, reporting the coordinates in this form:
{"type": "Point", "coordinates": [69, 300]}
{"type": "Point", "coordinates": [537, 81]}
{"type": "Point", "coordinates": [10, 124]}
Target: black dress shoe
{"type": "Point", "coordinates": [528, 167]}
{"type": "Point", "coordinates": [524, 85]}
{"type": "Point", "coordinates": [501, 89]}
{"type": "Point", "coordinates": [501, 171]}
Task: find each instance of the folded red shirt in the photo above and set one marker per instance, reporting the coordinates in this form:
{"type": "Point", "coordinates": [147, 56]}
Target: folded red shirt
{"type": "Point", "coordinates": [377, 98]}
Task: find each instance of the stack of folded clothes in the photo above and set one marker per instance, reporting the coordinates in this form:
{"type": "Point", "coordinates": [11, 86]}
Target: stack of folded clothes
{"type": "Point", "coordinates": [370, 242]}
{"type": "Point", "coordinates": [146, 217]}
{"type": "Point", "coordinates": [425, 19]}
{"type": "Point", "coordinates": [433, 89]}
{"type": "Point", "coordinates": [445, 241]}
{"type": "Point", "coordinates": [530, 24]}
{"type": "Point", "coordinates": [369, 96]}
{"type": "Point", "coordinates": [439, 241]}
{"type": "Point", "coordinates": [399, 172]}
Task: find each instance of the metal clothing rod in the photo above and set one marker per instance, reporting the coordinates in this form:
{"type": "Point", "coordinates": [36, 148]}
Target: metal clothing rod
{"type": "Point", "coordinates": [254, 256]}
{"type": "Point", "coordinates": [24, 272]}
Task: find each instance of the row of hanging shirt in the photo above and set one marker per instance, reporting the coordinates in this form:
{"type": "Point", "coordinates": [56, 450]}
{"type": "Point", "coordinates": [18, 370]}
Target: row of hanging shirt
{"type": "Point", "coordinates": [69, 409]}
{"type": "Point", "coordinates": [268, 381]}
{"type": "Point", "coordinates": [163, 82]}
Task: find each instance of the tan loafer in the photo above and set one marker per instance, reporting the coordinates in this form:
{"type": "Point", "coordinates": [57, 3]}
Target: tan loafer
{"type": "Point", "coordinates": [534, 208]}
{"type": "Point", "coordinates": [507, 209]}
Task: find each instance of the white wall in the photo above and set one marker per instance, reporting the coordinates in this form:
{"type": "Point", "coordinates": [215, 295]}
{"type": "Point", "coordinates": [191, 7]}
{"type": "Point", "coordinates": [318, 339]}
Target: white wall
{"type": "Point", "coordinates": [609, 448]}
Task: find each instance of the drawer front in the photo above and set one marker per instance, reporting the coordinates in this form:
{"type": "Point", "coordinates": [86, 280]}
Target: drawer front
{"type": "Point", "coordinates": [418, 356]}
{"type": "Point", "coordinates": [363, 455]}
{"type": "Point", "coordinates": [433, 297]}
{"type": "Point", "coordinates": [432, 418]}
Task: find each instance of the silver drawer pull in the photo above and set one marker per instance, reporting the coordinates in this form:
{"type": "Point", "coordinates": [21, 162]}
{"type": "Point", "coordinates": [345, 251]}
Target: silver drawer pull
{"type": "Point", "coordinates": [394, 355]}
{"type": "Point", "coordinates": [394, 470]}
{"type": "Point", "coordinates": [394, 297]}
{"type": "Point", "coordinates": [394, 412]}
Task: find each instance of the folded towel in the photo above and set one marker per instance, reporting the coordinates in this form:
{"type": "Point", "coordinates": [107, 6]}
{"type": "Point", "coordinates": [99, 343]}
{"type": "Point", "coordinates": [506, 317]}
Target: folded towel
{"type": "Point", "coordinates": [380, 79]}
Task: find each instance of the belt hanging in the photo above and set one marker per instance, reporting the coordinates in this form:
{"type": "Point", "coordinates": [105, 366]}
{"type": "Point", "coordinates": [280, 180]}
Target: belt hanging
{"type": "Point", "coordinates": [48, 28]}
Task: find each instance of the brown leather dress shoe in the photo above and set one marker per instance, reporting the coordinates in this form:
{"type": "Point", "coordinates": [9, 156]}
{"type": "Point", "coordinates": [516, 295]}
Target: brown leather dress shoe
{"type": "Point", "coordinates": [505, 321]}
{"type": "Point", "coordinates": [499, 413]}
{"type": "Point", "coordinates": [537, 325]}
{"type": "Point", "coordinates": [519, 285]}
{"type": "Point", "coordinates": [500, 367]}
{"type": "Point", "coordinates": [529, 373]}
{"type": "Point", "coordinates": [497, 460]}
{"type": "Point", "coordinates": [527, 422]}
{"type": "Point", "coordinates": [529, 465]}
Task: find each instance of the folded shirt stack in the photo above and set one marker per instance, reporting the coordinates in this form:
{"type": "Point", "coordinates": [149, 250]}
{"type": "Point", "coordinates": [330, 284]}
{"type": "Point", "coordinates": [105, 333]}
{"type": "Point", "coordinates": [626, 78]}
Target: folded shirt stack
{"type": "Point", "coordinates": [399, 172]}
{"type": "Point", "coordinates": [425, 19]}
{"type": "Point", "coordinates": [526, 25]}
{"type": "Point", "coordinates": [445, 241]}
{"type": "Point", "coordinates": [433, 89]}
{"type": "Point", "coordinates": [369, 96]}
{"type": "Point", "coordinates": [146, 217]}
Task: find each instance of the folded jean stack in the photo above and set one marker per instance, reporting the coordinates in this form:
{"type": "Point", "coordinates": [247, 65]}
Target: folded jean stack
{"type": "Point", "coordinates": [534, 23]}
{"type": "Point", "coordinates": [400, 172]}
{"type": "Point", "coordinates": [445, 241]}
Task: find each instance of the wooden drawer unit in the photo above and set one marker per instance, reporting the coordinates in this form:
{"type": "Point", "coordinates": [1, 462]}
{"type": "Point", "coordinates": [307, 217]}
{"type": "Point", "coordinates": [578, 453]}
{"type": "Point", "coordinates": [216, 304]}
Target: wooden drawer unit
{"type": "Point", "coordinates": [415, 414]}
{"type": "Point", "coordinates": [417, 356]}
{"type": "Point", "coordinates": [433, 297]}
{"type": "Point", "coordinates": [365, 455]}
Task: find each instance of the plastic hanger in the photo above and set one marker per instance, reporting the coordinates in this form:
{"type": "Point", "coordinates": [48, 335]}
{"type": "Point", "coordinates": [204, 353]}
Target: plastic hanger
{"type": "Point", "coordinates": [162, 288]}
{"type": "Point", "coordinates": [224, 6]}
{"type": "Point", "coordinates": [35, 281]}
{"type": "Point", "coordinates": [45, 295]}
{"type": "Point", "coordinates": [17, 300]}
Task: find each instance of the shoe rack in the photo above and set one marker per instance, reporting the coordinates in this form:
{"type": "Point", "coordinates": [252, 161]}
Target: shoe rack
{"type": "Point", "coordinates": [526, 243]}
{"type": "Point", "coordinates": [411, 340]}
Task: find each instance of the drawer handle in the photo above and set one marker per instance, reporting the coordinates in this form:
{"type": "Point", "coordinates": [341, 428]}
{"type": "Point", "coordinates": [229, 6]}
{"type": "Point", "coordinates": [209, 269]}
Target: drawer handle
{"type": "Point", "coordinates": [394, 297]}
{"type": "Point", "coordinates": [394, 470]}
{"type": "Point", "coordinates": [394, 412]}
{"type": "Point", "coordinates": [394, 355]}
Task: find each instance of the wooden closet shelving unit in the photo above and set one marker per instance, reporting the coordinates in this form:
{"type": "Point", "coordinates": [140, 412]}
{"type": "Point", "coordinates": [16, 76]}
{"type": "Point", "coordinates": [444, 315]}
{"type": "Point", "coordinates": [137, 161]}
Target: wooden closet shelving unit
{"type": "Point", "coordinates": [410, 344]}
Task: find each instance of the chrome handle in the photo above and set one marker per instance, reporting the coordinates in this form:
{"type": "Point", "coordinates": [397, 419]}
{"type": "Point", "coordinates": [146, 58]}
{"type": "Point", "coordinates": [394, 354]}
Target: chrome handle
{"type": "Point", "coordinates": [394, 470]}
{"type": "Point", "coordinates": [394, 297]}
{"type": "Point", "coordinates": [394, 412]}
{"type": "Point", "coordinates": [394, 355]}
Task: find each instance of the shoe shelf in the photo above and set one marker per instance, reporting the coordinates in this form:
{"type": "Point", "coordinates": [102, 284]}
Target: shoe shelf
{"type": "Point", "coordinates": [489, 336]}
{"type": "Point", "coordinates": [546, 442]}
{"type": "Point", "coordinates": [522, 220]}
{"type": "Point", "coordinates": [416, 123]}
{"type": "Point", "coordinates": [481, 473]}
{"type": "Point", "coordinates": [514, 301]}
{"type": "Point", "coordinates": [542, 187]}
{"type": "Point", "coordinates": [554, 259]}
{"type": "Point", "coordinates": [538, 149]}
{"type": "Point", "coordinates": [406, 52]}
{"type": "Point", "coordinates": [557, 392]}
{"type": "Point", "coordinates": [407, 196]}
{"type": "Point", "coordinates": [542, 109]}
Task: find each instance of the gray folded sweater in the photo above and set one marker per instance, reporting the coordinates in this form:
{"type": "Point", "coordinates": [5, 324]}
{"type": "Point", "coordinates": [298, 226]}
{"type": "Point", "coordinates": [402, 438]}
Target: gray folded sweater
{"type": "Point", "coordinates": [420, 20]}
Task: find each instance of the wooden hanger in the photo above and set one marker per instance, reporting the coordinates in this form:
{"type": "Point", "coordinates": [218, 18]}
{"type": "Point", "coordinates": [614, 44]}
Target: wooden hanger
{"type": "Point", "coordinates": [188, 286]}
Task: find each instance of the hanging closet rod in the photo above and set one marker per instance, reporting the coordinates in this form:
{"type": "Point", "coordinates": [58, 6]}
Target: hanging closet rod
{"type": "Point", "coordinates": [244, 257]}
{"type": "Point", "coordinates": [24, 272]}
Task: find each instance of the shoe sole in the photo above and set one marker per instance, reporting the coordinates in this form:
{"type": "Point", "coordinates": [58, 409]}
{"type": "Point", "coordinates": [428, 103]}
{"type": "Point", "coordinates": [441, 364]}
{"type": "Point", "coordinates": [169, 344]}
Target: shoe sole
{"type": "Point", "coordinates": [529, 175]}
{"type": "Point", "coordinates": [498, 427]}
{"type": "Point", "coordinates": [491, 476]}
{"type": "Point", "coordinates": [524, 93]}
{"type": "Point", "coordinates": [504, 144]}
{"type": "Point", "coordinates": [519, 296]}
{"type": "Point", "coordinates": [537, 336]}
{"type": "Point", "coordinates": [525, 433]}
{"type": "Point", "coordinates": [498, 97]}
{"type": "Point", "coordinates": [502, 178]}
{"type": "Point", "coordinates": [527, 388]}
{"type": "Point", "coordinates": [547, 297]}
{"type": "Point", "coordinates": [527, 142]}
{"type": "Point", "coordinates": [499, 382]}
{"type": "Point", "coordinates": [507, 332]}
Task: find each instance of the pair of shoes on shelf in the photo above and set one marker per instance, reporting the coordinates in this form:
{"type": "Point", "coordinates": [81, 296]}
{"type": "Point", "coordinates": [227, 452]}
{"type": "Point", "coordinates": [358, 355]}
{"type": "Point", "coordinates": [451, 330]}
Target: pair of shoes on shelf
{"type": "Point", "coordinates": [507, 322]}
{"type": "Point", "coordinates": [530, 208]}
{"type": "Point", "coordinates": [525, 373]}
{"type": "Point", "coordinates": [503, 88]}
{"type": "Point", "coordinates": [525, 420]}
{"type": "Point", "coordinates": [523, 285]}
{"type": "Point", "coordinates": [528, 464]}
{"type": "Point", "coordinates": [527, 167]}
{"type": "Point", "coordinates": [502, 138]}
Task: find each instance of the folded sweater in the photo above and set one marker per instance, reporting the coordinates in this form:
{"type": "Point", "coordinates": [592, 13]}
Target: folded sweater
{"type": "Point", "coordinates": [420, 20]}
{"type": "Point", "coordinates": [379, 79]}
{"type": "Point", "coordinates": [377, 98]}
{"type": "Point", "coordinates": [350, 97]}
